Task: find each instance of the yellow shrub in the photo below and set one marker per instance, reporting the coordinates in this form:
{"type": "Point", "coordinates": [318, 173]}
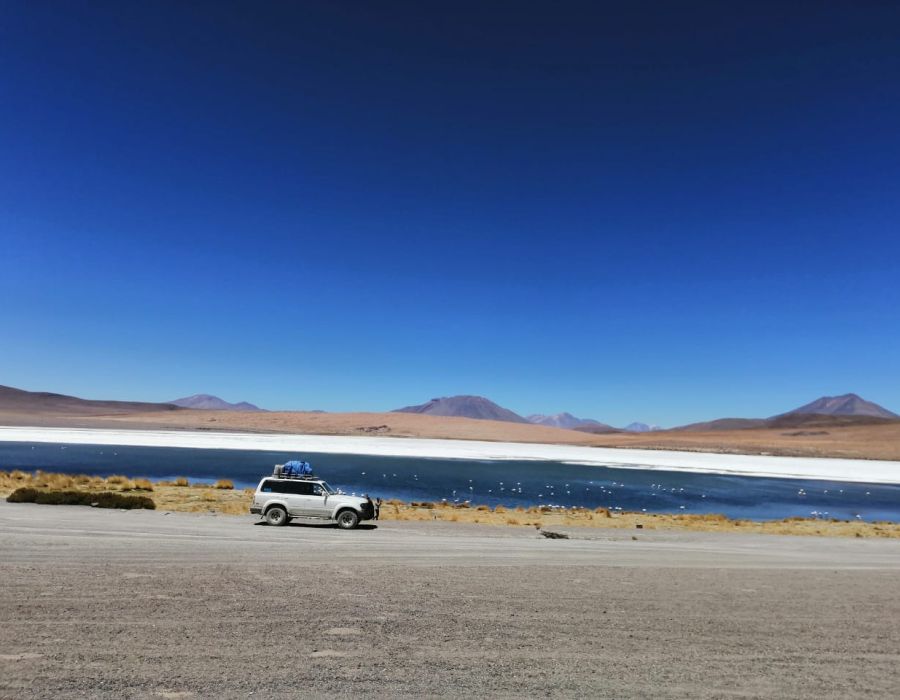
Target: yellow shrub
{"type": "Point", "coordinates": [224, 484]}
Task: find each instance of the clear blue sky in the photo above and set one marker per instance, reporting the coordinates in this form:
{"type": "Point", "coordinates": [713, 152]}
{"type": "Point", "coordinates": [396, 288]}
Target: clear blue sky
{"type": "Point", "coordinates": [631, 211]}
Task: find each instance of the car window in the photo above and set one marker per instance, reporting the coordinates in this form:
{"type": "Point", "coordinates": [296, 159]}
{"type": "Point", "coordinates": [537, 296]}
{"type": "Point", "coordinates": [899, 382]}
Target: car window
{"type": "Point", "coordinates": [298, 488]}
{"type": "Point", "coordinates": [275, 486]}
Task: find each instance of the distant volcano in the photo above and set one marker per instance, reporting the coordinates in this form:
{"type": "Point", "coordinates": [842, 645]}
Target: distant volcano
{"type": "Point", "coordinates": [847, 409]}
{"type": "Point", "coordinates": [566, 420]}
{"type": "Point", "coordinates": [844, 405]}
{"type": "Point", "coordinates": [213, 403]}
{"type": "Point", "coordinates": [464, 407]}
{"type": "Point", "coordinates": [641, 428]}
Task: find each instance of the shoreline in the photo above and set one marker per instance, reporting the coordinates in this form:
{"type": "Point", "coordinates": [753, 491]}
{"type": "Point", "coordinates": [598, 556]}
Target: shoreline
{"type": "Point", "coordinates": [811, 468]}
{"type": "Point", "coordinates": [182, 496]}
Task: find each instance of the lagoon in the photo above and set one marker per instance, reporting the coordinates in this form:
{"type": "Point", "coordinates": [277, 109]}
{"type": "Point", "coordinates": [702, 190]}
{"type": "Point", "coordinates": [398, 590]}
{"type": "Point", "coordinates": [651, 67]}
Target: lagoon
{"type": "Point", "coordinates": [509, 482]}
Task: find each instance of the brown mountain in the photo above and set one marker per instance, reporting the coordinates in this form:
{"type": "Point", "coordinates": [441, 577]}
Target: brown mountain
{"type": "Point", "coordinates": [828, 411]}
{"type": "Point", "coordinates": [40, 402]}
{"type": "Point", "coordinates": [844, 405]}
{"type": "Point", "coordinates": [464, 407]}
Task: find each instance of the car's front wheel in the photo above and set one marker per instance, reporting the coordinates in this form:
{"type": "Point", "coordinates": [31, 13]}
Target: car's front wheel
{"type": "Point", "coordinates": [276, 515]}
{"type": "Point", "coordinates": [347, 519]}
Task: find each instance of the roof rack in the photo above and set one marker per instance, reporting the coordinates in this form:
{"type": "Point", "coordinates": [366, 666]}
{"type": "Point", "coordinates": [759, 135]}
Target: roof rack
{"type": "Point", "coordinates": [278, 473]}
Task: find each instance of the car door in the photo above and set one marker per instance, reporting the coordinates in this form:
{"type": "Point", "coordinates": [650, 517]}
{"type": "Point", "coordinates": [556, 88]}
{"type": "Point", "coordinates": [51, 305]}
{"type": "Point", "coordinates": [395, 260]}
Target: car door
{"type": "Point", "coordinates": [293, 497]}
{"type": "Point", "coordinates": [306, 499]}
{"type": "Point", "coordinates": [318, 502]}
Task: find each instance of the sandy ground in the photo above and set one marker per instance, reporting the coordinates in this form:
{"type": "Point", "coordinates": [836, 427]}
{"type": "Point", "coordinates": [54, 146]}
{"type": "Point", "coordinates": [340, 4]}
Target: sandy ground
{"type": "Point", "coordinates": [839, 441]}
{"type": "Point", "coordinates": [117, 604]}
{"type": "Point", "coordinates": [866, 471]}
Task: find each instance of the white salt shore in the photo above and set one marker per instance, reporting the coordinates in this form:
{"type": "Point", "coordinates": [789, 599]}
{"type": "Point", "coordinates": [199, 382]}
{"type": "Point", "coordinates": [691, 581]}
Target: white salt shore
{"type": "Point", "coordinates": [854, 470]}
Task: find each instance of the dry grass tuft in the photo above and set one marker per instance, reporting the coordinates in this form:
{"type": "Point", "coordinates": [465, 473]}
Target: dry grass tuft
{"type": "Point", "coordinates": [142, 485]}
{"type": "Point", "coordinates": [224, 484]}
{"type": "Point", "coordinates": [181, 481]}
{"type": "Point", "coordinates": [79, 498]}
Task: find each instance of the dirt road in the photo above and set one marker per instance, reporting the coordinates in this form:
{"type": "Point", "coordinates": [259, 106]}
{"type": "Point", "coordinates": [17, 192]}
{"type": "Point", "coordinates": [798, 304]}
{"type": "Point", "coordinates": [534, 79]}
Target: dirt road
{"type": "Point", "coordinates": [144, 604]}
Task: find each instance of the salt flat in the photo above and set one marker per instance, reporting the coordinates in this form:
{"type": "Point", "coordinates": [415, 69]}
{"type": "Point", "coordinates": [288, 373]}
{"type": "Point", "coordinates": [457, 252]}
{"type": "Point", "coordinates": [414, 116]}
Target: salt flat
{"type": "Point", "coordinates": [832, 469]}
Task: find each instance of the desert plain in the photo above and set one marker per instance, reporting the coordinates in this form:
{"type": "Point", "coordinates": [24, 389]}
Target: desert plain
{"type": "Point", "coordinates": [147, 604]}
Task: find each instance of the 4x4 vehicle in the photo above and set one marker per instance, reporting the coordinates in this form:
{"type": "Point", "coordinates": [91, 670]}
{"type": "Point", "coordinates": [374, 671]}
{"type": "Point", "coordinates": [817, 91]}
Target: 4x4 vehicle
{"type": "Point", "coordinates": [280, 499]}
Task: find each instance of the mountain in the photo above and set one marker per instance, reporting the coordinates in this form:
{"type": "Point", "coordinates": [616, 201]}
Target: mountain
{"type": "Point", "coordinates": [464, 407]}
{"type": "Point", "coordinates": [828, 411]}
{"type": "Point", "coordinates": [566, 420]}
{"type": "Point", "coordinates": [40, 402]}
{"type": "Point", "coordinates": [844, 405]}
{"type": "Point", "coordinates": [213, 403]}
{"type": "Point", "coordinates": [641, 428]}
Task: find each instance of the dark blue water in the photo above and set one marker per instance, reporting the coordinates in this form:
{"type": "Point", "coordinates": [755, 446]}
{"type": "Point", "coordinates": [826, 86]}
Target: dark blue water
{"type": "Point", "coordinates": [510, 483]}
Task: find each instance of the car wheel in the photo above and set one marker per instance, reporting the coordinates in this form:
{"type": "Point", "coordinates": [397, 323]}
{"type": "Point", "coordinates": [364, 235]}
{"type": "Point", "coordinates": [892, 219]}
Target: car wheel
{"type": "Point", "coordinates": [276, 515]}
{"type": "Point", "coordinates": [347, 519]}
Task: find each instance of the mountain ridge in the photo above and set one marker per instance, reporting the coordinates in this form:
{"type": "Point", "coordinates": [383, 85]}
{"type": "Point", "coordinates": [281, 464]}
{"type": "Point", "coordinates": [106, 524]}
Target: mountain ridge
{"type": "Point", "coordinates": [637, 427]}
{"type": "Point", "coordinates": [209, 402]}
{"type": "Point", "coordinates": [565, 420]}
{"type": "Point", "coordinates": [846, 409]}
{"type": "Point", "coordinates": [12, 399]}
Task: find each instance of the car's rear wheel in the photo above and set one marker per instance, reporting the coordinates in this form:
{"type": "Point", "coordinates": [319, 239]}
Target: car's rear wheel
{"type": "Point", "coordinates": [276, 515]}
{"type": "Point", "coordinates": [347, 519]}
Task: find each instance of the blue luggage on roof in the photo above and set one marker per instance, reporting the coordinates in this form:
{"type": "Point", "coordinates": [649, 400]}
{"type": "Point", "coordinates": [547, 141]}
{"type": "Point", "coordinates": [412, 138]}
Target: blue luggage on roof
{"type": "Point", "coordinates": [297, 468]}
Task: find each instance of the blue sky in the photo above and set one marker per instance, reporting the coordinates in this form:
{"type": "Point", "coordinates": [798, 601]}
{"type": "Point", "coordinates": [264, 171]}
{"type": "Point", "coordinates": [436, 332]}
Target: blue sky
{"type": "Point", "coordinates": [660, 212]}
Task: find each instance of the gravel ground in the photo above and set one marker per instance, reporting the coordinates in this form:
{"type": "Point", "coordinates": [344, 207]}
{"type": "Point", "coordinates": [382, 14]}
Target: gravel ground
{"type": "Point", "coordinates": [144, 604]}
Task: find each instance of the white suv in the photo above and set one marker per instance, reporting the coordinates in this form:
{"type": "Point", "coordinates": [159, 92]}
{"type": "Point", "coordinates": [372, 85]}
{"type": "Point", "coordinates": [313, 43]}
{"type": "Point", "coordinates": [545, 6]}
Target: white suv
{"type": "Point", "coordinates": [279, 500]}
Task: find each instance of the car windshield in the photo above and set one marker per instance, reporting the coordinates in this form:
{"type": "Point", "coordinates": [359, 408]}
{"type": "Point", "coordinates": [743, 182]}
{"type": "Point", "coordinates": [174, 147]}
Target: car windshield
{"type": "Point", "coordinates": [327, 488]}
